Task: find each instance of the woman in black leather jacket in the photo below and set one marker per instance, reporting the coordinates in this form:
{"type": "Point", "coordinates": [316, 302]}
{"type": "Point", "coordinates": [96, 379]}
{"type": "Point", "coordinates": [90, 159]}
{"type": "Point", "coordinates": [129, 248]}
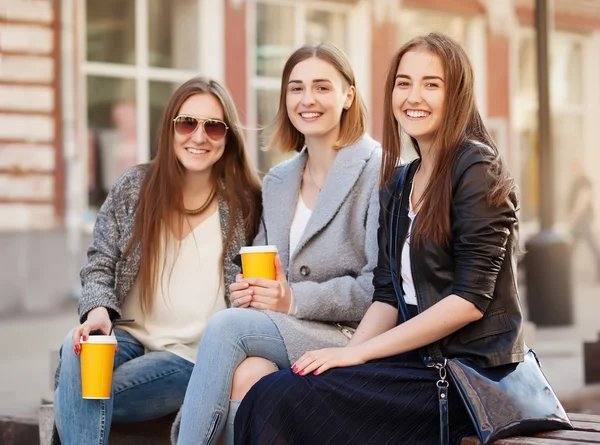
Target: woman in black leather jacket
{"type": "Point", "coordinates": [457, 243]}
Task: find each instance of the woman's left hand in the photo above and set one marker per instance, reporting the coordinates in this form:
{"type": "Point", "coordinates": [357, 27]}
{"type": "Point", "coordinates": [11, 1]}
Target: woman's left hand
{"type": "Point", "coordinates": [274, 295]}
{"type": "Point", "coordinates": [323, 359]}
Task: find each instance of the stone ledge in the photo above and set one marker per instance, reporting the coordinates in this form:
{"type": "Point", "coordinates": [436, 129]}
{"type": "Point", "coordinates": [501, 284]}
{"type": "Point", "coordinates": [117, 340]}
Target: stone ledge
{"type": "Point", "coordinates": [19, 431]}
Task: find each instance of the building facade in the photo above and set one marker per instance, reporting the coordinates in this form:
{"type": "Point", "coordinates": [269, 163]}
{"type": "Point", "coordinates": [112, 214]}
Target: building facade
{"type": "Point", "coordinates": [83, 84]}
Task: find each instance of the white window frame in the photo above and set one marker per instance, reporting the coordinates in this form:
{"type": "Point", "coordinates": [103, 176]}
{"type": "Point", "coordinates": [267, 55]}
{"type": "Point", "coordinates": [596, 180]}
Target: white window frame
{"type": "Point", "coordinates": [359, 51]}
{"type": "Point", "coordinates": [211, 63]}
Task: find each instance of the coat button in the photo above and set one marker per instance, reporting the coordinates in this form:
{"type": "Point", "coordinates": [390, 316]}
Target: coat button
{"type": "Point", "coordinates": [304, 271]}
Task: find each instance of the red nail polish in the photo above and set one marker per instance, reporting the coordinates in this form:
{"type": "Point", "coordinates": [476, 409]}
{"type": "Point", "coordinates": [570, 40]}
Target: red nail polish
{"type": "Point", "coordinates": [294, 368]}
{"type": "Point", "coordinates": [84, 338]}
{"type": "Point", "coordinates": [316, 373]}
{"type": "Point", "coordinates": [302, 372]}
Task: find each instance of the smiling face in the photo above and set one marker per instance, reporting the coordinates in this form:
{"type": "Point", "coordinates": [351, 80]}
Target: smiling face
{"type": "Point", "coordinates": [418, 98]}
{"type": "Point", "coordinates": [197, 152]}
{"type": "Point", "coordinates": [316, 95]}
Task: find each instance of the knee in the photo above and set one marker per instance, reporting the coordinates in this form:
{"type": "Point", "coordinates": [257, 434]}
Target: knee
{"type": "Point", "coordinates": [248, 373]}
{"type": "Point", "coordinates": [225, 323]}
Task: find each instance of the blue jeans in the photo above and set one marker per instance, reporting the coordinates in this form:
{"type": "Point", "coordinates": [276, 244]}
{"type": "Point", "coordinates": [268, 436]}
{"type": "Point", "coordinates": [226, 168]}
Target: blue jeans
{"type": "Point", "coordinates": [230, 337]}
{"type": "Point", "coordinates": [145, 387]}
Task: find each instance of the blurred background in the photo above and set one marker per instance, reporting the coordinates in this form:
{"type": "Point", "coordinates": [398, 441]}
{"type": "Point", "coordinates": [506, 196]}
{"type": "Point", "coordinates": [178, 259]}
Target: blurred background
{"type": "Point", "coordinates": [83, 84]}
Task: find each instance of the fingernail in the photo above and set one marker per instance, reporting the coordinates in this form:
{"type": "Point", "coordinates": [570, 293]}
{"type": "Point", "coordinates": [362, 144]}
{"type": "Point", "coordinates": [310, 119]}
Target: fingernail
{"type": "Point", "coordinates": [294, 368]}
{"type": "Point", "coordinates": [84, 338]}
{"type": "Point", "coordinates": [302, 372]}
{"type": "Point", "coordinates": [316, 373]}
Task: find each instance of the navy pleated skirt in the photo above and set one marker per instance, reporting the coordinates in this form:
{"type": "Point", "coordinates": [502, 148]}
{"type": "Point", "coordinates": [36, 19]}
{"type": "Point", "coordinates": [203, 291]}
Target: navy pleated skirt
{"type": "Point", "coordinates": [387, 401]}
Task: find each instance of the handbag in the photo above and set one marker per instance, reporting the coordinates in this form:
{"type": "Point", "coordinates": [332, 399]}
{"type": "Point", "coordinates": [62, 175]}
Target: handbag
{"type": "Point", "coordinates": [502, 401]}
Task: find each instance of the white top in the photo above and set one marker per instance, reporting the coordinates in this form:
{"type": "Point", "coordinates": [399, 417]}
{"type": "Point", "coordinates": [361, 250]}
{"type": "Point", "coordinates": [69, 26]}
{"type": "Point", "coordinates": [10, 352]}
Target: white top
{"type": "Point", "coordinates": [410, 295]}
{"type": "Point", "coordinates": [301, 217]}
{"type": "Point", "coordinates": [191, 290]}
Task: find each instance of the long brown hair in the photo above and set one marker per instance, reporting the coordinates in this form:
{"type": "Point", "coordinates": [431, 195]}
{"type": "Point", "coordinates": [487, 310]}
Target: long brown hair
{"type": "Point", "coordinates": [461, 122]}
{"type": "Point", "coordinates": [353, 121]}
{"type": "Point", "coordinates": [160, 208]}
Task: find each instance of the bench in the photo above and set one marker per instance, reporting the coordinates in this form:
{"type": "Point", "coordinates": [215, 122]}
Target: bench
{"type": "Point", "coordinates": [154, 432]}
{"type": "Point", "coordinates": [587, 431]}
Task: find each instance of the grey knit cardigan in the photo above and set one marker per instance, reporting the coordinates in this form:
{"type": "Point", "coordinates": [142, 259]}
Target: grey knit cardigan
{"type": "Point", "coordinates": [107, 278]}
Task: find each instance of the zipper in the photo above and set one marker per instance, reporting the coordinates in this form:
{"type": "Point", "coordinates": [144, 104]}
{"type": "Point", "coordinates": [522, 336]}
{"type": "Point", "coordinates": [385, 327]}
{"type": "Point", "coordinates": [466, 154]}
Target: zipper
{"type": "Point", "coordinates": [213, 428]}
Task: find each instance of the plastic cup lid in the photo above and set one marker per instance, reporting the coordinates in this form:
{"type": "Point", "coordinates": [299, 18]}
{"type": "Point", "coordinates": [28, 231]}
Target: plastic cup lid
{"type": "Point", "coordinates": [258, 249]}
{"type": "Point", "coordinates": [101, 340]}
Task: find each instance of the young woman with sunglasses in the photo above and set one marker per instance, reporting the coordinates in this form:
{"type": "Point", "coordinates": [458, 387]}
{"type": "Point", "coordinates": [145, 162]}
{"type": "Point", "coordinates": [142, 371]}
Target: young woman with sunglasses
{"type": "Point", "coordinates": [454, 230]}
{"type": "Point", "coordinates": [163, 253]}
{"type": "Point", "coordinates": [320, 210]}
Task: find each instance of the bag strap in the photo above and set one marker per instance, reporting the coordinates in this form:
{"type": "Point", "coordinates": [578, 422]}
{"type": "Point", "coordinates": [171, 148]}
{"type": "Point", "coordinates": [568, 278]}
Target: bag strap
{"type": "Point", "coordinates": [442, 384]}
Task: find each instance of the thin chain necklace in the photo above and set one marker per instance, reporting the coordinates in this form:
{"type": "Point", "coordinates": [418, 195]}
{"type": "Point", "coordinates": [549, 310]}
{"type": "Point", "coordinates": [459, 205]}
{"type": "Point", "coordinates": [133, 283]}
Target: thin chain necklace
{"type": "Point", "coordinates": [203, 207]}
{"type": "Point", "coordinates": [311, 177]}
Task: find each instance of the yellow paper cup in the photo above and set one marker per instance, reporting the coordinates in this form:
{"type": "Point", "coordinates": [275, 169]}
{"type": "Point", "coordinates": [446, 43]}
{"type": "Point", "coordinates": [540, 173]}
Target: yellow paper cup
{"type": "Point", "coordinates": [259, 261]}
{"type": "Point", "coordinates": [97, 360]}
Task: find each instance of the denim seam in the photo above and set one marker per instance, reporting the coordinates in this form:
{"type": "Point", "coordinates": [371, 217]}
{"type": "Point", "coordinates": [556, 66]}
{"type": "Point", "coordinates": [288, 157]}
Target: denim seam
{"type": "Point", "coordinates": [102, 422]}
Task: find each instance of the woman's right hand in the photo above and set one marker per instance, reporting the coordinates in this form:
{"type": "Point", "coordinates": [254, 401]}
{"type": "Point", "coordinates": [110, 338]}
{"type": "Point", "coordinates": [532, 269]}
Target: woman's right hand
{"type": "Point", "coordinates": [97, 318]}
{"type": "Point", "coordinates": [241, 294]}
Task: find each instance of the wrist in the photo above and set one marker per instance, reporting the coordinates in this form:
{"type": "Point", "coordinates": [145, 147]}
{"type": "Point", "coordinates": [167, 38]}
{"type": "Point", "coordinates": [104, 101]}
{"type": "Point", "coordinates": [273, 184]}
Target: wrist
{"type": "Point", "coordinates": [100, 310]}
{"type": "Point", "coordinates": [362, 352]}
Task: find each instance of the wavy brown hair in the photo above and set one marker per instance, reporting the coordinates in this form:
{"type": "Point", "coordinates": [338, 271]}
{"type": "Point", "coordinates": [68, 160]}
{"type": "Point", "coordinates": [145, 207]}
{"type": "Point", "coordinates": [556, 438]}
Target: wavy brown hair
{"type": "Point", "coordinates": [461, 122]}
{"type": "Point", "coordinates": [160, 208]}
{"type": "Point", "coordinates": [353, 123]}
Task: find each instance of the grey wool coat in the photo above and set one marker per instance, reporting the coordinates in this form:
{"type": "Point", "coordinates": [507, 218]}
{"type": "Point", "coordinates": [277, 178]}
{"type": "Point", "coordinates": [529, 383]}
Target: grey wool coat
{"type": "Point", "coordinates": [331, 270]}
{"type": "Point", "coordinates": [107, 278]}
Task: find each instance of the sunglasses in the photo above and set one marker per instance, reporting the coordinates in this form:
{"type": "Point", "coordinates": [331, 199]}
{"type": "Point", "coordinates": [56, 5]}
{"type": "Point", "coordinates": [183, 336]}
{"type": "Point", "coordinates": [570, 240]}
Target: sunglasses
{"type": "Point", "coordinates": [213, 128]}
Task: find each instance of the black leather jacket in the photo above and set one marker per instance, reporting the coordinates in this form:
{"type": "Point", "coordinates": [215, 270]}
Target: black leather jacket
{"type": "Point", "coordinates": [478, 265]}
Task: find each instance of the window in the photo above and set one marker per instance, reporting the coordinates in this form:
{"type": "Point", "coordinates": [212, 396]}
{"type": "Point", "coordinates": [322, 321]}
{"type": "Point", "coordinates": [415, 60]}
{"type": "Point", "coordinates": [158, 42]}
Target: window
{"type": "Point", "coordinates": [136, 53]}
{"type": "Point", "coordinates": [281, 27]}
{"type": "Point", "coordinates": [568, 114]}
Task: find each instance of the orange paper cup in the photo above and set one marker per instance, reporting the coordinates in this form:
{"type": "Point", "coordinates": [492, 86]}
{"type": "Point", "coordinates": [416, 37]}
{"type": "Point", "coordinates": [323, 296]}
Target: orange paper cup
{"type": "Point", "coordinates": [97, 360]}
{"type": "Point", "coordinates": [259, 261]}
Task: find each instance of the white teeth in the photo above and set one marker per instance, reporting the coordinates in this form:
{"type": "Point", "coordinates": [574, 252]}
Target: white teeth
{"type": "Point", "coordinates": [414, 113]}
{"type": "Point", "coordinates": [310, 115]}
{"type": "Point", "coordinates": [196, 152]}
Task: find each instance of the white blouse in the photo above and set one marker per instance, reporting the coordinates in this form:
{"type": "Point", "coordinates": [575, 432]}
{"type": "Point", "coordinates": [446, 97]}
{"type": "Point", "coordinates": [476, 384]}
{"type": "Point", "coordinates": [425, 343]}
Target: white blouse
{"type": "Point", "coordinates": [410, 295]}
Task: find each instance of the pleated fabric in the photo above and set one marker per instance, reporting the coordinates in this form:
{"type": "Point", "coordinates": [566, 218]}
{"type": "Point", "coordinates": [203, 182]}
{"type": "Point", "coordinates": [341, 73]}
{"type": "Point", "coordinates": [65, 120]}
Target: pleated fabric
{"type": "Point", "coordinates": [388, 401]}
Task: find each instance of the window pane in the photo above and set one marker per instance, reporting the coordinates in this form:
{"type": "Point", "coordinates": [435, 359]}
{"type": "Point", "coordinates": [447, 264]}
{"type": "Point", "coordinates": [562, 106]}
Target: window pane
{"type": "Point", "coordinates": [112, 134]}
{"type": "Point", "coordinates": [173, 34]}
{"type": "Point", "coordinates": [323, 26]}
{"type": "Point", "coordinates": [528, 68]}
{"type": "Point", "coordinates": [274, 38]}
{"type": "Point", "coordinates": [567, 139]}
{"type": "Point", "coordinates": [419, 22]}
{"type": "Point", "coordinates": [527, 129]}
{"type": "Point", "coordinates": [111, 31]}
{"type": "Point", "coordinates": [267, 102]}
{"type": "Point", "coordinates": [566, 71]}
{"type": "Point", "coordinates": [160, 93]}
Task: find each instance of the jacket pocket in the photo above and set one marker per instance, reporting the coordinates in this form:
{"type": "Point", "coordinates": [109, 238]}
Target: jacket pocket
{"type": "Point", "coordinates": [494, 323]}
